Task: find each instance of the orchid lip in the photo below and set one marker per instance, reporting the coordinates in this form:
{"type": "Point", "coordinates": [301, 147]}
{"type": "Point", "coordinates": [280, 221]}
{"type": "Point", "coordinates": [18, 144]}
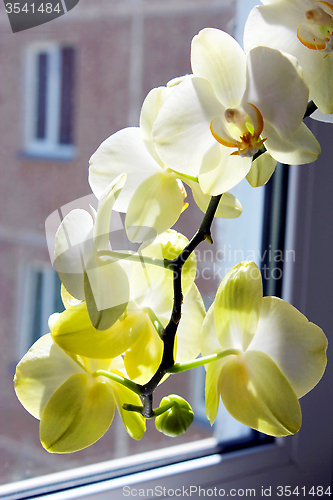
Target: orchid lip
{"type": "Point", "coordinates": [316, 31]}
{"type": "Point", "coordinates": [249, 123]}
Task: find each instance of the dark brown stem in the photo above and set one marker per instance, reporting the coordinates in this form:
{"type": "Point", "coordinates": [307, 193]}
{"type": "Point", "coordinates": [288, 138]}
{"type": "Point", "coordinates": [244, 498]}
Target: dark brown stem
{"type": "Point", "coordinates": [169, 333]}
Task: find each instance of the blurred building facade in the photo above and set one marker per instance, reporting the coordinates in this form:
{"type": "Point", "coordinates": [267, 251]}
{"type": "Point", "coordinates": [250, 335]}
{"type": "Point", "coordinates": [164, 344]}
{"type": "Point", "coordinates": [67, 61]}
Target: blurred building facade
{"type": "Point", "coordinates": [65, 87]}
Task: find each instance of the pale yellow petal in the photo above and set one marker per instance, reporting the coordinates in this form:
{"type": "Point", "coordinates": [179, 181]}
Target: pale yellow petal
{"type": "Point", "coordinates": [155, 207]}
{"type": "Point", "coordinates": [41, 371]}
{"type": "Point", "coordinates": [297, 346]}
{"type": "Point", "coordinates": [261, 170]}
{"type": "Point", "coordinates": [255, 392]}
{"type": "Point", "coordinates": [74, 332]}
{"type": "Point", "coordinates": [77, 415]}
{"type": "Point", "coordinates": [237, 306]}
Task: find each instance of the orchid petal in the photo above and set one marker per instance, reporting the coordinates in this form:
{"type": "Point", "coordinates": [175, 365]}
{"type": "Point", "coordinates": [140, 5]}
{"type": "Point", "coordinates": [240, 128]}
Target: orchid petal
{"type": "Point", "coordinates": [261, 170]}
{"type": "Point", "coordinates": [302, 147]}
{"type": "Point", "coordinates": [212, 388]}
{"type": "Point", "coordinates": [297, 346]}
{"type": "Point", "coordinates": [122, 152]}
{"type": "Point", "coordinates": [159, 296]}
{"type": "Point", "coordinates": [149, 111]}
{"type": "Point", "coordinates": [184, 120]}
{"type": "Point", "coordinates": [218, 177]}
{"type": "Point", "coordinates": [218, 58]}
{"type": "Point", "coordinates": [281, 102]}
{"type": "Point", "coordinates": [209, 340]}
{"type": "Point", "coordinates": [101, 230]}
{"type": "Point", "coordinates": [321, 88]}
{"type": "Point", "coordinates": [144, 357]}
{"type": "Point", "coordinates": [189, 328]}
{"type": "Point", "coordinates": [73, 231]}
{"type": "Point", "coordinates": [134, 423]}
{"type": "Point", "coordinates": [255, 392]}
{"type": "Point", "coordinates": [77, 415]}
{"type": "Point", "coordinates": [41, 371]}
{"type": "Point", "coordinates": [237, 306]}
{"type": "Point", "coordinates": [155, 206]}
{"type": "Point", "coordinates": [74, 333]}
{"type": "Point", "coordinates": [67, 299]}
{"type": "Point", "coordinates": [275, 26]}
{"type": "Point", "coordinates": [106, 290]}
{"type": "Point", "coordinates": [322, 117]}
{"type": "Point", "coordinates": [228, 208]}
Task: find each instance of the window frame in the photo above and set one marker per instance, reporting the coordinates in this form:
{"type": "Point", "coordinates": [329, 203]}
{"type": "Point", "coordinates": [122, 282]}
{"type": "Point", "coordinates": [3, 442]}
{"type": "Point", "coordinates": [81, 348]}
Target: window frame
{"type": "Point", "coordinates": [49, 146]}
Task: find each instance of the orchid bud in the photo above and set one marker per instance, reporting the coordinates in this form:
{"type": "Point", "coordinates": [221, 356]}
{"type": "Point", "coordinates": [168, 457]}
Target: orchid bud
{"type": "Point", "coordinates": [176, 418]}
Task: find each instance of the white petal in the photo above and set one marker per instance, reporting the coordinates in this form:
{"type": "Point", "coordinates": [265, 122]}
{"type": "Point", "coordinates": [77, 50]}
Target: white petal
{"type": "Point", "coordinates": [103, 216]}
{"type": "Point", "coordinates": [189, 329]}
{"type": "Point", "coordinates": [149, 111]}
{"type": "Point", "coordinates": [41, 372]}
{"type": "Point", "coordinates": [237, 306]}
{"type": "Point", "coordinates": [106, 287]}
{"type": "Point", "coordinates": [181, 132]}
{"type": "Point", "coordinates": [72, 234]}
{"type": "Point", "coordinates": [275, 26]}
{"type": "Point", "coordinates": [123, 152]}
{"type": "Point", "coordinates": [216, 178]}
{"type": "Point", "coordinates": [296, 345]}
{"type": "Point", "coordinates": [228, 208]}
{"type": "Point", "coordinates": [209, 340]}
{"type": "Point", "coordinates": [275, 85]}
{"type": "Point", "coordinates": [321, 88]}
{"type": "Point", "coordinates": [217, 56]}
{"type": "Point", "coordinates": [154, 207]}
{"type": "Point", "coordinates": [322, 117]}
{"type": "Point", "coordinates": [261, 170]}
{"type": "Point", "coordinates": [300, 148]}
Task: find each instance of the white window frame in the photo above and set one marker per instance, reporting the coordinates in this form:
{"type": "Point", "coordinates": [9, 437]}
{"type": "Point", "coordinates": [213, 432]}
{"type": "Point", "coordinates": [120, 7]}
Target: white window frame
{"type": "Point", "coordinates": [48, 146]}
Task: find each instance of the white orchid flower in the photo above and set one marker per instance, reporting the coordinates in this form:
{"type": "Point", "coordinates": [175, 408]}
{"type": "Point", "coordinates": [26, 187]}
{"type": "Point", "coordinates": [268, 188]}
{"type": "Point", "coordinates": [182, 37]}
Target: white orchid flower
{"type": "Point", "coordinates": [279, 356]}
{"type": "Point", "coordinates": [304, 29]}
{"type": "Point", "coordinates": [99, 280]}
{"type": "Point", "coordinates": [212, 124]}
{"type": "Point", "coordinates": [153, 196]}
{"type": "Point", "coordinates": [75, 408]}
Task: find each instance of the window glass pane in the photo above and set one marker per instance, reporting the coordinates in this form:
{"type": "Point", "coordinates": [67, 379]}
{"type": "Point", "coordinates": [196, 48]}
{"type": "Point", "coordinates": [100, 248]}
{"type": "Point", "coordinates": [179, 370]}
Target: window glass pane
{"type": "Point", "coordinates": [67, 95]}
{"type": "Point", "coordinates": [112, 53]}
{"type": "Point", "coordinates": [41, 95]}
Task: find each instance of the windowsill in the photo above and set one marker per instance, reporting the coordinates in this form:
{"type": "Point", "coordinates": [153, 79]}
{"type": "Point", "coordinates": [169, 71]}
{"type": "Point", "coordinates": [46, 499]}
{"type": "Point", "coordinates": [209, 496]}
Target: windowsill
{"type": "Point", "coordinates": [188, 462]}
{"type": "Point", "coordinates": [60, 154]}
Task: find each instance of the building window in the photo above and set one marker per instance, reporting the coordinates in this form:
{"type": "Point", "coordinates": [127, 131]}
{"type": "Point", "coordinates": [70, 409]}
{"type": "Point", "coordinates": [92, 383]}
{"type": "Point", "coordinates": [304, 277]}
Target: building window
{"type": "Point", "coordinates": [41, 298]}
{"type": "Point", "coordinates": [49, 100]}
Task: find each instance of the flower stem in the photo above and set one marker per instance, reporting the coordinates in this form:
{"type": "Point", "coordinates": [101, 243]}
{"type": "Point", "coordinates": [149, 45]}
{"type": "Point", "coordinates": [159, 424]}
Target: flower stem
{"type": "Point", "coordinates": [134, 257]}
{"type": "Point", "coordinates": [188, 365]}
{"type": "Point", "coordinates": [203, 233]}
{"type": "Point", "coordinates": [311, 108]}
{"type": "Point", "coordinates": [120, 379]}
{"type": "Point", "coordinates": [155, 321]}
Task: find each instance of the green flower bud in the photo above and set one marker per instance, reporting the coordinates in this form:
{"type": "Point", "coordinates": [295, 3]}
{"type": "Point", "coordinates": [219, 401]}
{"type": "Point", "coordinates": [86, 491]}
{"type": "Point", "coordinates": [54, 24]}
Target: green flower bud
{"type": "Point", "coordinates": [177, 418]}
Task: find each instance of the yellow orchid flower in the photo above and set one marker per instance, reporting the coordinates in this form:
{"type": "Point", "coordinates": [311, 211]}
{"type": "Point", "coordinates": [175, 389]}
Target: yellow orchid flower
{"type": "Point", "coordinates": [281, 355]}
{"type": "Point", "coordinates": [75, 408]}
{"type": "Point", "coordinates": [136, 334]}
